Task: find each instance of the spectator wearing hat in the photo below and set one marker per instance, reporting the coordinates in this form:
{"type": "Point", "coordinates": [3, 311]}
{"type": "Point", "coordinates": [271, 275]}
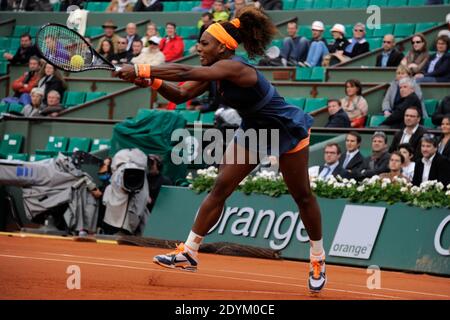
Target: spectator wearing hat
{"type": "Point", "coordinates": [318, 46]}
{"type": "Point", "coordinates": [437, 68]}
{"type": "Point", "coordinates": [131, 31]}
{"type": "Point", "coordinates": [33, 109]}
{"type": "Point", "coordinates": [109, 28]}
{"type": "Point", "coordinates": [358, 44]}
{"type": "Point", "coordinates": [122, 55]}
{"type": "Point", "coordinates": [120, 6]}
{"type": "Point", "coordinates": [295, 48]}
{"type": "Point", "coordinates": [152, 56]}
{"type": "Point", "coordinates": [148, 5]}
{"type": "Point", "coordinates": [338, 46]}
{"type": "Point", "coordinates": [172, 46]}
{"type": "Point", "coordinates": [389, 57]}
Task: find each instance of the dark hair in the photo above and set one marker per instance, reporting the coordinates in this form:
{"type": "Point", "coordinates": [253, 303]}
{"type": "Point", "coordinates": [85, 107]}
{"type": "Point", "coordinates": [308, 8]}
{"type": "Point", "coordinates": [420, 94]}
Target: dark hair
{"type": "Point", "coordinates": [424, 40]}
{"type": "Point", "coordinates": [430, 138]}
{"type": "Point", "coordinates": [355, 83]}
{"type": "Point", "coordinates": [355, 134]}
{"type": "Point", "coordinates": [445, 39]}
{"type": "Point", "coordinates": [173, 24]}
{"type": "Point", "coordinates": [335, 100]}
{"type": "Point", "coordinates": [446, 116]}
{"type": "Point", "coordinates": [414, 108]}
{"type": "Point", "coordinates": [25, 35]}
{"type": "Point", "coordinates": [111, 46]}
{"type": "Point", "coordinates": [406, 146]}
{"type": "Point", "coordinates": [293, 21]}
{"type": "Point", "coordinates": [333, 144]}
{"type": "Point", "coordinates": [256, 30]}
{"type": "Point", "coordinates": [35, 58]}
{"type": "Point", "coordinates": [402, 158]}
{"type": "Point", "coordinates": [208, 14]}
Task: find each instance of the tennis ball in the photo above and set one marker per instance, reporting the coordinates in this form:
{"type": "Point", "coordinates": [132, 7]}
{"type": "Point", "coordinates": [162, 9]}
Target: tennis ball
{"type": "Point", "coordinates": [77, 61]}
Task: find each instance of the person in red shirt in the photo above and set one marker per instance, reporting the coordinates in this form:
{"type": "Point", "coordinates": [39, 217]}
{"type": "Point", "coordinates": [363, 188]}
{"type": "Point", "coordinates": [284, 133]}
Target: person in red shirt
{"type": "Point", "coordinates": [172, 45]}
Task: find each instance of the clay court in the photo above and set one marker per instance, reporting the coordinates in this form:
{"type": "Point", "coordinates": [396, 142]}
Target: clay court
{"type": "Point", "coordinates": [35, 268]}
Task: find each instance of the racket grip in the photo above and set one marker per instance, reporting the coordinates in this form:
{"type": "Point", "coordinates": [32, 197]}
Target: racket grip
{"type": "Point", "coordinates": [117, 68]}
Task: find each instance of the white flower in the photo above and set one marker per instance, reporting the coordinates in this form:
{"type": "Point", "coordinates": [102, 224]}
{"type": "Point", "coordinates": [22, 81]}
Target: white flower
{"type": "Point", "coordinates": [447, 193]}
{"type": "Point", "coordinates": [384, 185]}
{"type": "Point", "coordinates": [314, 185]}
{"type": "Point", "coordinates": [330, 182]}
{"type": "Point", "coordinates": [352, 181]}
{"type": "Point", "coordinates": [189, 176]}
{"type": "Point", "coordinates": [345, 180]}
{"type": "Point", "coordinates": [415, 190]}
{"type": "Point", "coordinates": [190, 186]}
{"type": "Point", "coordinates": [448, 186]}
{"type": "Point", "coordinates": [212, 169]}
{"type": "Point", "coordinates": [403, 189]}
{"type": "Point", "coordinates": [440, 186]}
{"type": "Point", "coordinates": [200, 172]}
{"type": "Point", "coordinates": [360, 188]}
{"type": "Point", "coordinates": [386, 181]}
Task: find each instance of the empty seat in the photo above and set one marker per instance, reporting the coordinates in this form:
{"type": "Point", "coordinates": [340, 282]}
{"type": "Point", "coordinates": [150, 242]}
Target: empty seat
{"type": "Point", "coordinates": [358, 3]}
{"type": "Point", "coordinates": [54, 145]}
{"type": "Point", "coordinates": [404, 30]}
{"type": "Point", "coordinates": [313, 104]}
{"type": "Point", "coordinates": [430, 106]}
{"type": "Point", "coordinates": [187, 32]}
{"type": "Point", "coordinates": [304, 4]}
{"type": "Point", "coordinates": [380, 3]}
{"type": "Point", "coordinates": [100, 144]}
{"type": "Point", "coordinates": [376, 120]}
{"type": "Point", "coordinates": [11, 143]}
{"type": "Point", "coordinates": [298, 102]}
{"type": "Point", "coordinates": [422, 26]}
{"type": "Point", "coordinates": [384, 29]}
{"type": "Point", "coordinates": [17, 156]}
{"type": "Point", "coordinates": [74, 98]}
{"type": "Point", "coordinates": [33, 30]}
{"type": "Point", "coordinates": [288, 4]}
{"type": "Point", "coordinates": [170, 6]}
{"type": "Point", "coordinates": [15, 108]}
{"type": "Point", "coordinates": [397, 3]}
{"type": "Point", "coordinates": [318, 74]}
{"type": "Point", "coordinates": [94, 95]}
{"type": "Point", "coordinates": [14, 44]}
{"type": "Point", "coordinates": [305, 31]}
{"type": "Point", "coordinates": [20, 30]}
{"type": "Point", "coordinates": [4, 107]}
{"type": "Point", "coordinates": [38, 157]}
{"type": "Point", "coordinates": [79, 144]}
{"type": "Point", "coordinates": [185, 5]}
{"type": "Point", "coordinates": [303, 74]}
{"type": "Point", "coordinates": [338, 4]}
{"type": "Point", "coordinates": [207, 117]}
{"type": "Point", "coordinates": [375, 43]}
{"type": "Point", "coordinates": [322, 4]}
{"type": "Point", "coordinates": [3, 68]}
{"type": "Point", "coordinates": [416, 3]}
{"type": "Point", "coordinates": [428, 123]}
{"type": "Point", "coordinates": [94, 31]}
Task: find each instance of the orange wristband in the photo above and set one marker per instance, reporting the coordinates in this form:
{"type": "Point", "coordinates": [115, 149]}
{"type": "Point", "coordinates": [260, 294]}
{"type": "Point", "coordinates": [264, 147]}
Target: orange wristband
{"type": "Point", "coordinates": [143, 70]}
{"type": "Point", "coordinates": [156, 84]}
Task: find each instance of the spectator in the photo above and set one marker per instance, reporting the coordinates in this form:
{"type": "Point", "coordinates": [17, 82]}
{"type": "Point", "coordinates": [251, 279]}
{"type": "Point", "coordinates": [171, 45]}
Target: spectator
{"type": "Point", "coordinates": [412, 132]}
{"type": "Point", "coordinates": [122, 55]}
{"type": "Point", "coordinates": [53, 107]}
{"type": "Point", "coordinates": [25, 83]}
{"type": "Point", "coordinates": [148, 5]}
{"type": "Point", "coordinates": [354, 103]}
{"type": "Point", "coordinates": [432, 166]}
{"type": "Point", "coordinates": [206, 20]}
{"type": "Point", "coordinates": [131, 30]}
{"type": "Point", "coordinates": [235, 6]}
{"type": "Point", "coordinates": [408, 98]}
{"type": "Point", "coordinates": [24, 53]}
{"type": "Point", "coordinates": [153, 56]}
{"type": "Point", "coordinates": [418, 56]}
{"type": "Point", "coordinates": [442, 110]}
{"type": "Point", "coordinates": [389, 57]}
{"type": "Point", "coordinates": [155, 179]}
{"type": "Point", "coordinates": [393, 97]}
{"type": "Point", "coordinates": [437, 68]}
{"type": "Point", "coordinates": [136, 48]}
{"type": "Point", "coordinates": [332, 167]}
{"type": "Point", "coordinates": [295, 48]}
{"type": "Point", "coordinates": [109, 28]}
{"type": "Point", "coordinates": [51, 79]}
{"type": "Point", "coordinates": [172, 45]}
{"type": "Point", "coordinates": [33, 109]}
{"type": "Point", "coordinates": [269, 4]}
{"type": "Point", "coordinates": [378, 162]}
{"type": "Point", "coordinates": [408, 166]}
{"type": "Point", "coordinates": [219, 12]}
{"type": "Point", "coordinates": [338, 117]}
{"type": "Point", "coordinates": [120, 6]}
{"type": "Point", "coordinates": [318, 46]}
{"type": "Point", "coordinates": [205, 6]}
{"type": "Point", "coordinates": [396, 162]}
{"type": "Point", "coordinates": [107, 50]}
{"type": "Point", "coordinates": [151, 31]}
{"type": "Point", "coordinates": [338, 46]}
{"type": "Point", "coordinates": [444, 141]}
{"type": "Point", "coordinates": [353, 158]}
{"type": "Point", "coordinates": [67, 3]}
{"type": "Point", "coordinates": [358, 44]}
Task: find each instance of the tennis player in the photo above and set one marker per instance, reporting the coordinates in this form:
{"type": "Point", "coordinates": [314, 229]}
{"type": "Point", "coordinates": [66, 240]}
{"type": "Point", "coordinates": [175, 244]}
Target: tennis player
{"type": "Point", "coordinates": [244, 88]}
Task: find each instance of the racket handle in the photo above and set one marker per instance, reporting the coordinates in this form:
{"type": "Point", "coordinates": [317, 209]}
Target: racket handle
{"type": "Point", "coordinates": [117, 68]}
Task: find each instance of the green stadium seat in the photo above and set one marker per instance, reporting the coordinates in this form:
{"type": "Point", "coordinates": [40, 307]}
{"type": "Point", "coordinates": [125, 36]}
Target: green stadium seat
{"type": "Point", "coordinates": [397, 3]}
{"type": "Point", "coordinates": [384, 29]}
{"type": "Point", "coordinates": [15, 108]}
{"type": "Point", "coordinates": [428, 123]}
{"type": "Point", "coordinates": [289, 4]}
{"type": "Point", "coordinates": [207, 117]}
{"type": "Point", "coordinates": [39, 157]}
{"type": "Point", "coordinates": [17, 156]}
{"type": "Point", "coordinates": [19, 31]}
{"type": "Point", "coordinates": [339, 4]}
{"type": "Point", "coordinates": [375, 43]}
{"type": "Point", "coordinates": [187, 32]}
{"type": "Point", "coordinates": [430, 105]}
{"type": "Point", "coordinates": [33, 31]}
{"type": "Point", "coordinates": [318, 74]}
{"type": "Point", "coordinates": [14, 44]}
{"type": "Point", "coordinates": [96, 6]}
{"type": "Point", "coordinates": [422, 26]}
{"type": "Point", "coordinates": [327, 32]}
{"type": "Point", "coordinates": [277, 43]}
{"type": "Point", "coordinates": [4, 42]}
{"type": "Point", "coordinates": [3, 107]}
{"type": "Point", "coordinates": [322, 4]}
{"type": "Point", "coordinates": [298, 102]}
{"type": "Point", "coordinates": [79, 144]}
{"type": "Point", "coordinates": [376, 120]}
{"type": "Point", "coordinates": [190, 116]}
{"type": "Point", "coordinates": [54, 145]}
{"type": "Point", "coordinates": [304, 31]}
{"type": "Point", "coordinates": [94, 95]}
{"type": "Point", "coordinates": [100, 144]}
{"type": "Point", "coordinates": [380, 3]}
{"type": "Point", "coordinates": [11, 143]}
{"type": "Point", "coordinates": [170, 6]}
{"type": "Point", "coordinates": [181, 106]}
{"type": "Point", "coordinates": [93, 31]}
{"type": "Point", "coordinates": [416, 3]}
{"type": "Point", "coordinates": [56, 6]}
{"type": "Point", "coordinates": [186, 5]}
{"type": "Point", "coordinates": [304, 4]}
{"type": "Point", "coordinates": [74, 98]}
{"type": "Point", "coordinates": [358, 3]}
{"type": "Point", "coordinates": [3, 68]}
{"type": "Point", "coordinates": [303, 74]}
{"type": "Point", "coordinates": [403, 30]}
{"type": "Point", "coordinates": [313, 104]}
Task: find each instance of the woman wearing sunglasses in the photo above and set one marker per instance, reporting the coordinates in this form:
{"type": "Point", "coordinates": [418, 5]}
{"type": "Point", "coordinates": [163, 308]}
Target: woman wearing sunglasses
{"type": "Point", "coordinates": [418, 56]}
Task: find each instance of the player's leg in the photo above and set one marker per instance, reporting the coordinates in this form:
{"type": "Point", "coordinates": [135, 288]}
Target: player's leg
{"type": "Point", "coordinates": [231, 172]}
{"type": "Point", "coordinates": [294, 167]}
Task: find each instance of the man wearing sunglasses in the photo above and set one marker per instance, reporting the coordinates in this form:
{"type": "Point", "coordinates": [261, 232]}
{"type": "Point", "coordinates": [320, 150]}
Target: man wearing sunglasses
{"type": "Point", "coordinates": [390, 56]}
{"type": "Point", "coordinates": [358, 44]}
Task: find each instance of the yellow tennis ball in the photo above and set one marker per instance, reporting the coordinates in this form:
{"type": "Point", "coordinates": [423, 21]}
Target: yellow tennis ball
{"type": "Point", "coordinates": [77, 61]}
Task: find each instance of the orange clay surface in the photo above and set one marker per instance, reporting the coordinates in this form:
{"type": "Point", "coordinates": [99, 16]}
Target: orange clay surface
{"type": "Point", "coordinates": [36, 268]}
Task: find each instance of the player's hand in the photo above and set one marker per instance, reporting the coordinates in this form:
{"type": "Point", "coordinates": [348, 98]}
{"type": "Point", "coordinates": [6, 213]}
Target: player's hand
{"type": "Point", "coordinates": [143, 83]}
{"type": "Point", "coordinates": [126, 73]}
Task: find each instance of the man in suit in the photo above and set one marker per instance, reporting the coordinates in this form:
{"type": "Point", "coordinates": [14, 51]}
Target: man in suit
{"type": "Point", "coordinates": [352, 160]}
{"type": "Point", "coordinates": [412, 133]}
{"type": "Point", "coordinates": [389, 57]}
{"type": "Point", "coordinates": [332, 167]}
{"type": "Point", "coordinates": [432, 166]}
{"type": "Point", "coordinates": [378, 161]}
{"type": "Point", "coordinates": [437, 69]}
{"type": "Point", "coordinates": [131, 36]}
{"type": "Point", "coordinates": [338, 117]}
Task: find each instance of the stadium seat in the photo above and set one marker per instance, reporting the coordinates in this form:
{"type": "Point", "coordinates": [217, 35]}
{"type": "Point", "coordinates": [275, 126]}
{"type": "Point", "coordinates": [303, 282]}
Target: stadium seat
{"type": "Point", "coordinates": [375, 43]}
{"type": "Point", "coordinates": [322, 4]}
{"type": "Point", "coordinates": [11, 143]}
{"type": "Point", "coordinates": [305, 31]}
{"type": "Point", "coordinates": [78, 144]}
{"type": "Point", "coordinates": [288, 4]}
{"type": "Point", "coordinates": [187, 45]}
{"type": "Point", "coordinates": [3, 107]}
{"type": "Point", "coordinates": [93, 31]}
{"type": "Point", "coordinates": [416, 3]}
{"type": "Point", "coordinates": [384, 29]}
{"type": "Point", "coordinates": [38, 157]}
{"type": "Point", "coordinates": [298, 102]}
{"type": "Point", "coordinates": [74, 98]}
{"type": "Point", "coordinates": [339, 4]}
{"type": "Point", "coordinates": [14, 44]}
{"type": "Point", "coordinates": [397, 3]}
{"type": "Point", "coordinates": [15, 108]}
{"type": "Point", "coordinates": [187, 32]}
{"type": "Point", "coordinates": [380, 3]}
{"type": "Point", "coordinates": [185, 5]}
{"type": "Point", "coordinates": [428, 123]}
{"type": "Point", "coordinates": [277, 43]}
{"type": "Point", "coordinates": [190, 116]}
{"type": "Point", "coordinates": [304, 4]}
{"type": "Point", "coordinates": [318, 74]}
{"type": "Point", "coordinates": [33, 30]}
{"type": "Point", "coordinates": [207, 117]}
{"type": "Point", "coordinates": [313, 104]}
{"type": "Point", "coordinates": [170, 6]}
{"type": "Point", "coordinates": [100, 144]}
{"type": "Point", "coordinates": [19, 31]}
{"type": "Point", "coordinates": [376, 120]}
{"type": "Point", "coordinates": [94, 95]}
{"type": "Point", "coordinates": [430, 106]}
{"type": "Point", "coordinates": [358, 3]}
{"type": "Point", "coordinates": [17, 156]}
{"type": "Point", "coordinates": [3, 68]}
{"type": "Point", "coordinates": [181, 106]}
{"type": "Point", "coordinates": [403, 30]}
{"type": "Point", "coordinates": [54, 145]}
{"type": "Point", "coordinates": [422, 26]}
{"type": "Point", "coordinates": [303, 74]}
{"type": "Point", "coordinates": [4, 42]}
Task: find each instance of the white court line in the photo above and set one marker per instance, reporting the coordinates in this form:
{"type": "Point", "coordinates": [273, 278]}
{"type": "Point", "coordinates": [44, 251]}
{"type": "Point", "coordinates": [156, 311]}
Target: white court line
{"type": "Point", "coordinates": [196, 274]}
{"type": "Point", "coordinates": [252, 274]}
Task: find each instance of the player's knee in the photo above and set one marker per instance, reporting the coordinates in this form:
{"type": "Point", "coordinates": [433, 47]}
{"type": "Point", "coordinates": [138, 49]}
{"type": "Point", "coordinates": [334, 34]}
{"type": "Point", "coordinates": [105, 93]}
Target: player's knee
{"type": "Point", "coordinates": [221, 190]}
{"type": "Point", "coordinates": [303, 197]}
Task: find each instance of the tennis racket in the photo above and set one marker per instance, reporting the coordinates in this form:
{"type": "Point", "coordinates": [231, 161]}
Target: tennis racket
{"type": "Point", "coordinates": [67, 50]}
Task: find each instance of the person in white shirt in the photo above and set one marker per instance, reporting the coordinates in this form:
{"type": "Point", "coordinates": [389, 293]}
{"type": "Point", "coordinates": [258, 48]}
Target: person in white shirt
{"type": "Point", "coordinates": [408, 166]}
{"type": "Point", "coordinates": [352, 160]}
{"type": "Point", "coordinates": [152, 56]}
{"type": "Point", "coordinates": [331, 155]}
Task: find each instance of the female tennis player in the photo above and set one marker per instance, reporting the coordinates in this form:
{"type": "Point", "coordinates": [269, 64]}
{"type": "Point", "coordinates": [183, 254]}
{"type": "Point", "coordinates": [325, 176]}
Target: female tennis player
{"type": "Point", "coordinates": [242, 87]}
